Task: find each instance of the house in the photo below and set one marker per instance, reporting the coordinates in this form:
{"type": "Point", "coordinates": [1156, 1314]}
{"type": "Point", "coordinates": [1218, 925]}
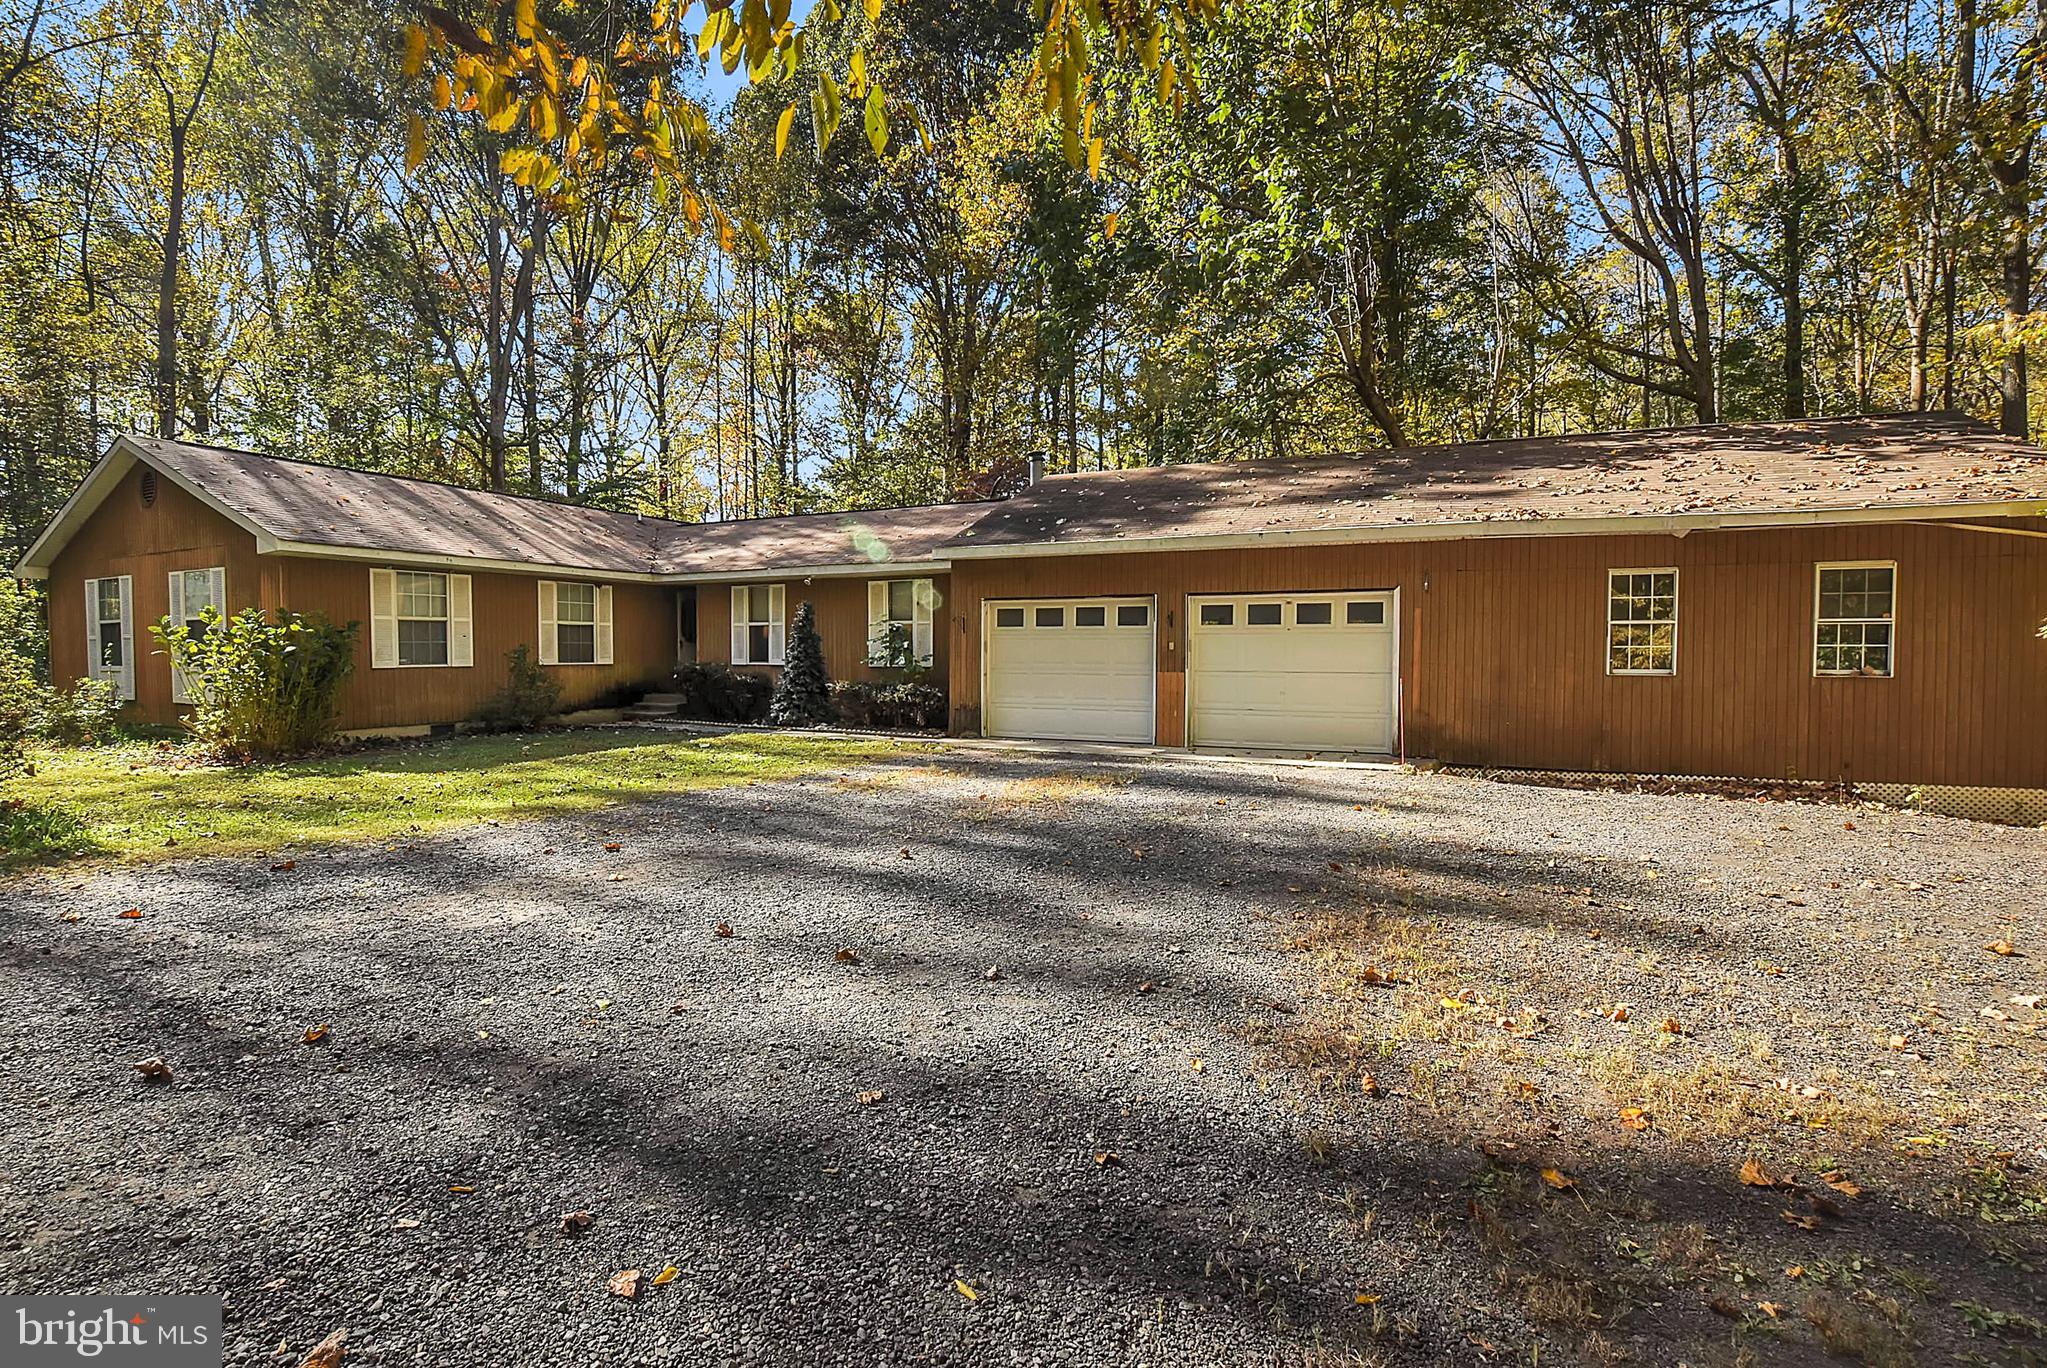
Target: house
{"type": "Point", "coordinates": [1852, 599]}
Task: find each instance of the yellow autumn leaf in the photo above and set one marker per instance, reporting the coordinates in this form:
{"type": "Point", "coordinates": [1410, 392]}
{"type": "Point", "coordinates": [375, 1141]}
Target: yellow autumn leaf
{"type": "Point", "coordinates": [782, 130]}
{"type": "Point", "coordinates": [1558, 1179]}
{"type": "Point", "coordinates": [1109, 226]}
{"type": "Point", "coordinates": [415, 143]}
{"type": "Point", "coordinates": [667, 1276]}
{"type": "Point", "coordinates": [873, 8]}
{"type": "Point", "coordinates": [415, 50]}
{"type": "Point", "coordinates": [960, 1286]}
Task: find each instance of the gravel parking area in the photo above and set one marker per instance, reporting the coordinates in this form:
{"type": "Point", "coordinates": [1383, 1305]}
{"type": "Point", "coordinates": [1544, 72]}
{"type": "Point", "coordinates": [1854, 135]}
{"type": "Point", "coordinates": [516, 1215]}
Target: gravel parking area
{"type": "Point", "coordinates": [1011, 1059]}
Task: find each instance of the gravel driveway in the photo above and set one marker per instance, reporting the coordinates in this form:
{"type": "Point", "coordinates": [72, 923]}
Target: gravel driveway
{"type": "Point", "coordinates": [1046, 1072]}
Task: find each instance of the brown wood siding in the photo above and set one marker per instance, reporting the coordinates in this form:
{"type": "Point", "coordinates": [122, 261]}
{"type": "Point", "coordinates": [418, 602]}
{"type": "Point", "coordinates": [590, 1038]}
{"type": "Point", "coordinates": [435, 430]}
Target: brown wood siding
{"type": "Point", "coordinates": [1502, 648]}
{"type": "Point", "coordinates": [125, 537]}
{"type": "Point", "coordinates": [505, 612]}
{"type": "Point", "coordinates": [841, 605]}
{"type": "Point", "coordinates": [177, 532]}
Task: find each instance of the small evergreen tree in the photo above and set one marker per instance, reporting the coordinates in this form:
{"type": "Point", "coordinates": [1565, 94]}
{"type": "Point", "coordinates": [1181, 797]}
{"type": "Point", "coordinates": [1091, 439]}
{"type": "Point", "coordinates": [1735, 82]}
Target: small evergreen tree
{"type": "Point", "coordinates": [803, 697]}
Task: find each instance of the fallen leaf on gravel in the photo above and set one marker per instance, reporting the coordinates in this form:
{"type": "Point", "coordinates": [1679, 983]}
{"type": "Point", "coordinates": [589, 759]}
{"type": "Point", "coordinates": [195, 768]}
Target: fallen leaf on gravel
{"type": "Point", "coordinates": [284, 866]}
{"type": "Point", "coordinates": [1108, 1159]}
{"type": "Point", "coordinates": [1198, 1065]}
{"type": "Point", "coordinates": [1336, 866]}
{"type": "Point", "coordinates": [625, 1283]}
{"type": "Point", "coordinates": [1993, 1013]}
{"type": "Point", "coordinates": [405, 1223]}
{"type": "Point", "coordinates": [1366, 1298]}
{"type": "Point", "coordinates": [1619, 1012]}
{"type": "Point", "coordinates": [614, 846]}
{"type": "Point", "coordinates": [1773, 970]}
{"type": "Point", "coordinates": [1841, 1183]}
{"type": "Point", "coordinates": [460, 1187]}
{"type": "Point", "coordinates": [1772, 1309]}
{"type": "Point", "coordinates": [2002, 947]}
{"type": "Point", "coordinates": [872, 1096]}
{"type": "Point", "coordinates": [969, 1293]}
{"type": "Point", "coordinates": [1635, 1118]}
{"type": "Point", "coordinates": [1558, 1179]}
{"type": "Point", "coordinates": [1899, 1042]}
{"type": "Point", "coordinates": [132, 914]}
{"type": "Point", "coordinates": [846, 956]}
{"type": "Point", "coordinates": [1795, 1271]}
{"type": "Point", "coordinates": [1368, 1085]}
{"type": "Point", "coordinates": [993, 975]}
{"type": "Point", "coordinates": [70, 916]}
{"type": "Point", "coordinates": [2027, 1000]}
{"type": "Point", "coordinates": [1669, 1026]}
{"type": "Point", "coordinates": [1147, 986]}
{"type": "Point", "coordinates": [1755, 1175]}
{"type": "Point", "coordinates": [723, 929]}
{"type": "Point", "coordinates": [617, 878]}
{"type": "Point", "coordinates": [573, 1221]}
{"type": "Point", "coordinates": [327, 1353]}
{"type": "Point", "coordinates": [154, 1069]}
{"type": "Point", "coordinates": [667, 1276]}
{"type": "Point", "coordinates": [315, 1034]}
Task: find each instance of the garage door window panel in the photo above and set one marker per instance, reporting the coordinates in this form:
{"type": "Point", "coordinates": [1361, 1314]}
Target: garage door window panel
{"type": "Point", "coordinates": [1263, 614]}
{"type": "Point", "coordinates": [1312, 614]}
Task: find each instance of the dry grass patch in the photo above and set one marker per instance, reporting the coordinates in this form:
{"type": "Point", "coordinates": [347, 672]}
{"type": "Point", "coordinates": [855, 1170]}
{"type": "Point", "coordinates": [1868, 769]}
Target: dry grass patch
{"type": "Point", "coordinates": [1045, 790]}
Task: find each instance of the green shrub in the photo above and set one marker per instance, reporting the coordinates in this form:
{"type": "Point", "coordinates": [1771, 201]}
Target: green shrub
{"type": "Point", "coordinates": [17, 715]}
{"type": "Point", "coordinates": [803, 697]}
{"type": "Point", "coordinates": [86, 714]}
{"type": "Point", "coordinates": [531, 695]}
{"type": "Point", "coordinates": [261, 687]}
{"type": "Point", "coordinates": [901, 705]}
{"type": "Point", "coordinates": [715, 693]}
{"type": "Point", "coordinates": [24, 636]}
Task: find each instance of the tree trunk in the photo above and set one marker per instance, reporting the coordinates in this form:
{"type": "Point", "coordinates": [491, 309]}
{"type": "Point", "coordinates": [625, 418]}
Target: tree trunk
{"type": "Point", "coordinates": [167, 279]}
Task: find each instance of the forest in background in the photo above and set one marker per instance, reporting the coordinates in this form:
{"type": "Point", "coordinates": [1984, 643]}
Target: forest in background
{"type": "Point", "coordinates": [1367, 223]}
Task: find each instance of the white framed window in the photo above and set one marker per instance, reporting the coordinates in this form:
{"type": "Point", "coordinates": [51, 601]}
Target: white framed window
{"type": "Point", "coordinates": [420, 619]}
{"type": "Point", "coordinates": [905, 608]}
{"type": "Point", "coordinates": [110, 632]}
{"type": "Point", "coordinates": [191, 593]}
{"type": "Point", "coordinates": [575, 623]}
{"type": "Point", "coordinates": [760, 624]}
{"type": "Point", "coordinates": [1641, 621]}
{"type": "Point", "coordinates": [1855, 618]}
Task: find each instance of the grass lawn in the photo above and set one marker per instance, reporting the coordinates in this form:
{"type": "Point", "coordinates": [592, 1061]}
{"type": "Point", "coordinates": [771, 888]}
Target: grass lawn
{"type": "Point", "coordinates": [142, 802]}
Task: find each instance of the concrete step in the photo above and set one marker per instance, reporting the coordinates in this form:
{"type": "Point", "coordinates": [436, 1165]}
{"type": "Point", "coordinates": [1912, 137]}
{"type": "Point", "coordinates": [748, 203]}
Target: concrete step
{"type": "Point", "coordinates": [665, 700]}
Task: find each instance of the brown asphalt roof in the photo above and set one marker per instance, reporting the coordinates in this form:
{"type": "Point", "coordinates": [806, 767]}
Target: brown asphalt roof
{"type": "Point", "coordinates": [299, 501]}
{"type": "Point", "coordinates": [1819, 465]}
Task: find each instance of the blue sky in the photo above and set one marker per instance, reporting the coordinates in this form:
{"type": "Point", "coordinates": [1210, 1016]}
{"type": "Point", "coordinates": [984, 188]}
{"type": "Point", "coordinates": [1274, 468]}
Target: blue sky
{"type": "Point", "coordinates": [720, 88]}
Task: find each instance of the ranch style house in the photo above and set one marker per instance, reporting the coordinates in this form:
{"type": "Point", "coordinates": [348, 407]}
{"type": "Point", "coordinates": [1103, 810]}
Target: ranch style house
{"type": "Point", "coordinates": [1854, 600]}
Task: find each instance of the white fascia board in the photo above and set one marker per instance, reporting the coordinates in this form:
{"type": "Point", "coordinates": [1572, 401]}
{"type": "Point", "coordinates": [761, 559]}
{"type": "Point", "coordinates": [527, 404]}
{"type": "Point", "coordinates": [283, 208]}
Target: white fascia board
{"type": "Point", "coordinates": [121, 457]}
{"type": "Point", "coordinates": [1670, 524]}
{"type": "Point", "coordinates": [373, 556]}
{"type": "Point", "coordinates": [779, 574]}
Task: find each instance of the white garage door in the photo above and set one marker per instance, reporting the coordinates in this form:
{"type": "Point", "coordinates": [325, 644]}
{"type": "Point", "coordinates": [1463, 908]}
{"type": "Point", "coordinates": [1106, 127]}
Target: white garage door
{"type": "Point", "coordinates": [1068, 669]}
{"type": "Point", "coordinates": [1309, 672]}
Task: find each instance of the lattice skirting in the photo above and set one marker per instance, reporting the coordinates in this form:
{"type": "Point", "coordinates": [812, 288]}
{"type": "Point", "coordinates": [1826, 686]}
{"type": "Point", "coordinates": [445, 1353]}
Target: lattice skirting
{"type": "Point", "coordinates": [2012, 806]}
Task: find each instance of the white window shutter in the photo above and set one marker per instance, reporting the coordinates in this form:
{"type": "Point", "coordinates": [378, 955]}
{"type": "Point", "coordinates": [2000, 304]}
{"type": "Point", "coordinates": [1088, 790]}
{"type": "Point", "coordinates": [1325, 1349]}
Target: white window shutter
{"type": "Point", "coordinates": [216, 583]}
{"type": "Point", "coordinates": [93, 669]}
{"type": "Point", "coordinates": [127, 636]}
{"type": "Point", "coordinates": [778, 625]}
{"type": "Point", "coordinates": [877, 621]}
{"type": "Point", "coordinates": [383, 619]}
{"type": "Point", "coordinates": [603, 624]}
{"type": "Point", "coordinates": [550, 637]}
{"type": "Point", "coordinates": [923, 598]}
{"type": "Point", "coordinates": [461, 640]}
{"type": "Point", "coordinates": [176, 613]}
{"type": "Point", "coordinates": [739, 625]}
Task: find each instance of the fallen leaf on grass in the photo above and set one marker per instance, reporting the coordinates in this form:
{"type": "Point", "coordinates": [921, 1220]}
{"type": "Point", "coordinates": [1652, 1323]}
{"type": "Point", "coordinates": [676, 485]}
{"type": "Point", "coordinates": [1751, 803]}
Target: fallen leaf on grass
{"type": "Point", "coordinates": [573, 1221]}
{"type": "Point", "coordinates": [315, 1034]}
{"type": "Point", "coordinates": [666, 1276]}
{"type": "Point", "coordinates": [969, 1293]}
{"type": "Point", "coordinates": [2002, 947]}
{"type": "Point", "coordinates": [870, 1097]}
{"type": "Point", "coordinates": [625, 1283]}
{"type": "Point", "coordinates": [846, 955]}
{"type": "Point", "coordinates": [1634, 1118]}
{"type": "Point", "coordinates": [327, 1353]}
{"type": "Point", "coordinates": [1561, 1181]}
{"type": "Point", "coordinates": [154, 1069]}
{"type": "Point", "coordinates": [723, 929]}
{"type": "Point", "coordinates": [132, 914]}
